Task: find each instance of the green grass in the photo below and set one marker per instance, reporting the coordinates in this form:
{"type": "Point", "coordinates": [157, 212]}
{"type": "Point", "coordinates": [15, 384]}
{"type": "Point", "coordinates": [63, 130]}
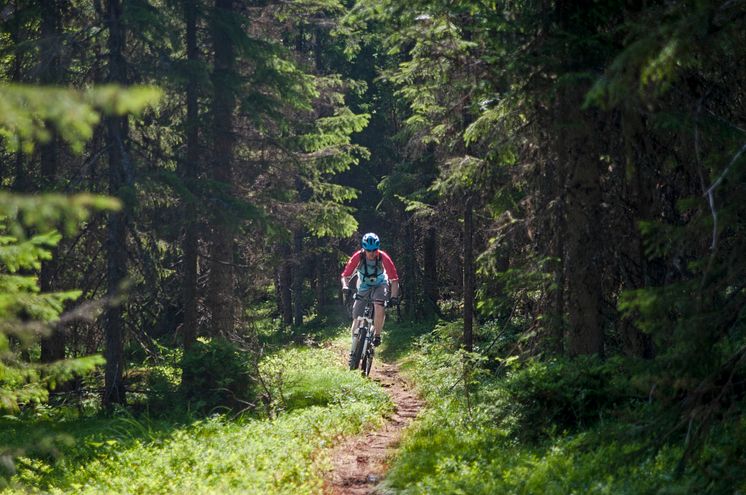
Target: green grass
{"type": "Point", "coordinates": [314, 401]}
{"type": "Point", "coordinates": [442, 455]}
{"type": "Point", "coordinates": [399, 337]}
{"type": "Point", "coordinates": [472, 437]}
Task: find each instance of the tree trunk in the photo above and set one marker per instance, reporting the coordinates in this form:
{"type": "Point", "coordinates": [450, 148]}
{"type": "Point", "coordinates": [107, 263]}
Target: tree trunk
{"type": "Point", "coordinates": [558, 328]}
{"type": "Point", "coordinates": [53, 346]}
{"type": "Point", "coordinates": [413, 286]}
{"type": "Point", "coordinates": [430, 268]}
{"type": "Point", "coordinates": [583, 202]}
{"type": "Point", "coordinates": [557, 336]}
{"type": "Point", "coordinates": [468, 276]}
{"type": "Point", "coordinates": [637, 149]}
{"type": "Point", "coordinates": [20, 176]}
{"type": "Point", "coordinates": [583, 249]}
{"type": "Point", "coordinates": [640, 344]}
{"type": "Point", "coordinates": [221, 295]}
{"type": "Point", "coordinates": [285, 280]}
{"type": "Point", "coordinates": [408, 268]}
{"type": "Point", "coordinates": [321, 274]}
{"type": "Point", "coordinates": [297, 275]}
{"type": "Point", "coordinates": [116, 237]}
{"type": "Point", "coordinates": [189, 173]}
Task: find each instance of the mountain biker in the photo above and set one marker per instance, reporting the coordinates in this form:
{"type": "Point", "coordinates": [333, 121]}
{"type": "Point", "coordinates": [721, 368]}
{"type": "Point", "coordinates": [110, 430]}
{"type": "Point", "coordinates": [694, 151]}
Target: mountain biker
{"type": "Point", "coordinates": [375, 271]}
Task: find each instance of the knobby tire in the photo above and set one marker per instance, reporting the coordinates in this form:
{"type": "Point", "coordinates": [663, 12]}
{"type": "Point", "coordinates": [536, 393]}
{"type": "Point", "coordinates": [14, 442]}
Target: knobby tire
{"type": "Point", "coordinates": [358, 350]}
{"type": "Point", "coordinates": [367, 363]}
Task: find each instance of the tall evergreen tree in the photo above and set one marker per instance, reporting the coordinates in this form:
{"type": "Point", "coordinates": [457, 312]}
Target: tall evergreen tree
{"type": "Point", "coordinates": [50, 68]}
{"type": "Point", "coordinates": [221, 298]}
{"type": "Point", "coordinates": [190, 171]}
{"type": "Point", "coordinates": [120, 178]}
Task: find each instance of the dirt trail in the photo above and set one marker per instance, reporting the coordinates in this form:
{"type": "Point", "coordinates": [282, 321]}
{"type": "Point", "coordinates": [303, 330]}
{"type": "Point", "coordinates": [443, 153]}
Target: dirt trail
{"type": "Point", "coordinates": [360, 462]}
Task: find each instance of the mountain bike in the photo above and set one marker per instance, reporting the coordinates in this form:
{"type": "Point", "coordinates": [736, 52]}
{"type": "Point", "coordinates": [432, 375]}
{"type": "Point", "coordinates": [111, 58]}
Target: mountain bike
{"type": "Point", "coordinates": [362, 350]}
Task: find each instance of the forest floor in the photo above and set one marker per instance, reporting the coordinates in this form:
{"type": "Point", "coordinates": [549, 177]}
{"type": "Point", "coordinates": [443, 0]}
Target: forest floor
{"type": "Point", "coordinates": [360, 462]}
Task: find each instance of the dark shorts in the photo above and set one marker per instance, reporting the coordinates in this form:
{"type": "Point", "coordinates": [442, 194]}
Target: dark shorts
{"type": "Point", "coordinates": [376, 294]}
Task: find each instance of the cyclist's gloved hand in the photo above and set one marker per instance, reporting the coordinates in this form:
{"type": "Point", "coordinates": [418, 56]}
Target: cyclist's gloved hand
{"type": "Point", "coordinates": [377, 340]}
{"type": "Point", "coordinates": [346, 291]}
{"type": "Point", "coordinates": [394, 301]}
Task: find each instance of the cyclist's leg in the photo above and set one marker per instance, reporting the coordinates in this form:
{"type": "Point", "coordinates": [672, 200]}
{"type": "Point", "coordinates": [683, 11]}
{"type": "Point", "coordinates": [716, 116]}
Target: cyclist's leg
{"type": "Point", "coordinates": [379, 297]}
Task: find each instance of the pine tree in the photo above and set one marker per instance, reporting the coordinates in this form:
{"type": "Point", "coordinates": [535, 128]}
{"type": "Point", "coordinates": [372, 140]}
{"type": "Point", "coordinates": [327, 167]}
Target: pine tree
{"type": "Point", "coordinates": [190, 171]}
{"type": "Point", "coordinates": [120, 177]}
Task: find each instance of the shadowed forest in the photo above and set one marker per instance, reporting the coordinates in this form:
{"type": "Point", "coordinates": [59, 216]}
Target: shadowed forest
{"type": "Point", "coordinates": [562, 186]}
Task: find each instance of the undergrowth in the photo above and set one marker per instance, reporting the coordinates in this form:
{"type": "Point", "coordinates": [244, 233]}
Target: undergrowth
{"type": "Point", "coordinates": [313, 401]}
{"type": "Point", "coordinates": [510, 426]}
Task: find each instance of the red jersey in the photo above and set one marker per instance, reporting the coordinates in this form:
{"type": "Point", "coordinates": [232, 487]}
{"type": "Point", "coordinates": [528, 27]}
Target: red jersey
{"type": "Point", "coordinates": [354, 264]}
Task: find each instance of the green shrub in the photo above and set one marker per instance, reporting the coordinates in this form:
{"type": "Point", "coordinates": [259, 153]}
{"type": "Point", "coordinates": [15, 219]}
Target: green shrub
{"type": "Point", "coordinates": [563, 394]}
{"type": "Point", "coordinates": [217, 375]}
{"type": "Point", "coordinates": [163, 385]}
{"type": "Point", "coordinates": [564, 426]}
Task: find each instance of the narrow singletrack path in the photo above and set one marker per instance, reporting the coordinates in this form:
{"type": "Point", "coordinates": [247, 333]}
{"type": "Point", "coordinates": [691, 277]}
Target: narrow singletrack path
{"type": "Point", "coordinates": [359, 463]}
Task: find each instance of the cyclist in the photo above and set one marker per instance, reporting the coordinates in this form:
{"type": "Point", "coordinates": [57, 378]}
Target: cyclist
{"type": "Point", "coordinates": [375, 271]}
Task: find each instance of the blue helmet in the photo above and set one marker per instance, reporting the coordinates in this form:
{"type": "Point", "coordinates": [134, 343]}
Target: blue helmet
{"type": "Point", "coordinates": [370, 242]}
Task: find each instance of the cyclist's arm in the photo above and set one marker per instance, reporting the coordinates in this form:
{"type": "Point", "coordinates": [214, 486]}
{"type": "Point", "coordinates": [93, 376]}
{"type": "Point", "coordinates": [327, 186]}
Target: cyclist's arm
{"type": "Point", "coordinates": [349, 271]}
{"type": "Point", "coordinates": [394, 288]}
{"type": "Point", "coordinates": [388, 265]}
{"type": "Point", "coordinates": [346, 281]}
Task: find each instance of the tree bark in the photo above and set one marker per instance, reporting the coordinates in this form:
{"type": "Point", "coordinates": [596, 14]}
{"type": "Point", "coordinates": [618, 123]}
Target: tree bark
{"type": "Point", "coordinates": [52, 346]}
{"type": "Point", "coordinates": [584, 198]}
{"type": "Point", "coordinates": [559, 220]}
{"type": "Point", "coordinates": [189, 173]}
{"type": "Point", "coordinates": [297, 275]}
{"type": "Point", "coordinates": [116, 237]}
{"type": "Point", "coordinates": [584, 289]}
{"type": "Point", "coordinates": [639, 344]}
{"type": "Point", "coordinates": [637, 149]}
{"type": "Point", "coordinates": [321, 275]}
{"type": "Point", "coordinates": [221, 296]}
{"type": "Point", "coordinates": [558, 326]}
{"type": "Point", "coordinates": [468, 275]}
{"type": "Point", "coordinates": [20, 176]}
{"type": "Point", "coordinates": [430, 270]}
{"type": "Point", "coordinates": [285, 280]}
{"type": "Point", "coordinates": [409, 269]}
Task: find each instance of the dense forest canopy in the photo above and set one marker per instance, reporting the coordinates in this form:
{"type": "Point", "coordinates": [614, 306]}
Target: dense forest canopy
{"type": "Point", "coordinates": [562, 182]}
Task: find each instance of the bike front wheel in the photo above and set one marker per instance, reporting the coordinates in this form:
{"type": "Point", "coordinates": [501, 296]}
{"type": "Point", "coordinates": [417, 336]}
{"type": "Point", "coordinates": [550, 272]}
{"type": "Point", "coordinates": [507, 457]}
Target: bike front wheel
{"type": "Point", "coordinates": [357, 350]}
{"type": "Point", "coordinates": [367, 363]}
